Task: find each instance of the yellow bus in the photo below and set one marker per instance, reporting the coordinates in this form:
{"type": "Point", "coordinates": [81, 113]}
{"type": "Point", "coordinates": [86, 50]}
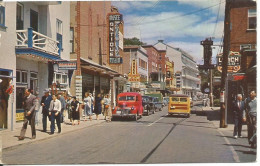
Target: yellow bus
{"type": "Point", "coordinates": [179, 104]}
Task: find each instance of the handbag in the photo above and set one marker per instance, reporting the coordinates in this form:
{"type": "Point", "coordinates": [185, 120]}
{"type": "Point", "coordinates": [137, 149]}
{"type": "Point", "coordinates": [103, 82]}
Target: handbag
{"type": "Point", "coordinates": [106, 106]}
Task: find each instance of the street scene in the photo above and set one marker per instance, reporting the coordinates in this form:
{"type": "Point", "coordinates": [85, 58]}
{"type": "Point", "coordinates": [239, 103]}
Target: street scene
{"type": "Point", "coordinates": [128, 82]}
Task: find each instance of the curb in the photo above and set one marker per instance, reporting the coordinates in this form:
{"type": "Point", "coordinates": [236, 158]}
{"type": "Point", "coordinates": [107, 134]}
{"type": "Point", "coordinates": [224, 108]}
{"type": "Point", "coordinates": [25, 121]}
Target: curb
{"type": "Point", "coordinates": [49, 137]}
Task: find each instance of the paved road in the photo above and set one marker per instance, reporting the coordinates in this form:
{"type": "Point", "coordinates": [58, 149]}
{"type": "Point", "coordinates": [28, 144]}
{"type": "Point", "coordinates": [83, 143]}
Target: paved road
{"type": "Point", "coordinates": [157, 138]}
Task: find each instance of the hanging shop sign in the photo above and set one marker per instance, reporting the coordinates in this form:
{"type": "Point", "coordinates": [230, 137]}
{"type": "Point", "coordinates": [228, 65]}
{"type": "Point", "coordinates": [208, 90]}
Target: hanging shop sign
{"type": "Point", "coordinates": [67, 65]}
{"type": "Point", "coordinates": [234, 62]}
{"type": "Point", "coordinates": [115, 38]}
{"type": "Point", "coordinates": [133, 76]}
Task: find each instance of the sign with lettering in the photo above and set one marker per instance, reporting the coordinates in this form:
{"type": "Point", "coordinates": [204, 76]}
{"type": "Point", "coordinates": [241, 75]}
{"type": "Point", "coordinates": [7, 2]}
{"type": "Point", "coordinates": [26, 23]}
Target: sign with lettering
{"type": "Point", "coordinates": [115, 38]}
{"type": "Point", "coordinates": [234, 61]}
{"type": "Point", "coordinates": [115, 60]}
{"type": "Point", "coordinates": [67, 65]}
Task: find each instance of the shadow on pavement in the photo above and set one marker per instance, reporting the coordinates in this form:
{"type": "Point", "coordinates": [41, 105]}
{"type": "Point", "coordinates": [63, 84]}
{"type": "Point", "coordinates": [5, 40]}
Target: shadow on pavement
{"type": "Point", "coordinates": [247, 152]}
{"type": "Point", "coordinates": [244, 146]}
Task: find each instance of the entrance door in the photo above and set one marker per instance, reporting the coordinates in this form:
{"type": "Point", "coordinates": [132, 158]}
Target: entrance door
{"type": "Point", "coordinates": [19, 103]}
{"type": "Point", "coordinates": [34, 20]}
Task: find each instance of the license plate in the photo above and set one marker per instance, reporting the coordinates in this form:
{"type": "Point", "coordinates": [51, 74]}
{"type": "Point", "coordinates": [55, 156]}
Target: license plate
{"type": "Point", "coordinates": [118, 112]}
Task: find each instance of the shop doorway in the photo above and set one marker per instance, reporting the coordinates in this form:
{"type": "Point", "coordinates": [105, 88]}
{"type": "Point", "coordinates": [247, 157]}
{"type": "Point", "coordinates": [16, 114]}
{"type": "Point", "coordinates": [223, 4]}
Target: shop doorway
{"type": "Point", "coordinates": [4, 102]}
{"type": "Point", "coordinates": [19, 103]}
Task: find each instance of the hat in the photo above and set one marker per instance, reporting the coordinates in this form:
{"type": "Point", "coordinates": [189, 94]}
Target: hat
{"type": "Point", "coordinates": [46, 90]}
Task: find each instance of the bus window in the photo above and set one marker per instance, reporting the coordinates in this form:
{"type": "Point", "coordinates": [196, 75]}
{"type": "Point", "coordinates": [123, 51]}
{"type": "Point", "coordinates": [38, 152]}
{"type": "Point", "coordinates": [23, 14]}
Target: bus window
{"type": "Point", "coordinates": [183, 99]}
{"type": "Point", "coordinates": [175, 99]}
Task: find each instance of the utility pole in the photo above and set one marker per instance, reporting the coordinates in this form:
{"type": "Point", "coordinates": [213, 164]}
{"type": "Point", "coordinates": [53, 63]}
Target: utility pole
{"type": "Point", "coordinates": [100, 53]}
{"type": "Point", "coordinates": [211, 88]}
{"type": "Point", "coordinates": [226, 49]}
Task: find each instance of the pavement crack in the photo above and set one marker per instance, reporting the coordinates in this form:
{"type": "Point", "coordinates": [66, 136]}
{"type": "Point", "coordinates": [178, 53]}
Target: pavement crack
{"type": "Point", "coordinates": [156, 147]}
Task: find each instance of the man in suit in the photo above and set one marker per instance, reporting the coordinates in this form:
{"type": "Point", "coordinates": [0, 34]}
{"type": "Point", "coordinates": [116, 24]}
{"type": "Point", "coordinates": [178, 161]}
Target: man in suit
{"type": "Point", "coordinates": [239, 115]}
{"type": "Point", "coordinates": [63, 106]}
{"type": "Point", "coordinates": [55, 109]}
{"type": "Point", "coordinates": [45, 102]}
{"type": "Point", "coordinates": [29, 105]}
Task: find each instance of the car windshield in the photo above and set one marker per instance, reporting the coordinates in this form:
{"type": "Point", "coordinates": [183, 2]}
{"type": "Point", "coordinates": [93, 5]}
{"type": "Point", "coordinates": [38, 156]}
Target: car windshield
{"type": "Point", "coordinates": [145, 98]}
{"type": "Point", "coordinates": [127, 98]}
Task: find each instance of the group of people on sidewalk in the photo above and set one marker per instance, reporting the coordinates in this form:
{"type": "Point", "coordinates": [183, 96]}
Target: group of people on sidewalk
{"type": "Point", "coordinates": [245, 111]}
{"type": "Point", "coordinates": [56, 107]}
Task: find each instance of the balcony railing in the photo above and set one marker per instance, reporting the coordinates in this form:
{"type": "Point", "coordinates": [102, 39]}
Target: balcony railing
{"type": "Point", "coordinates": [32, 39]}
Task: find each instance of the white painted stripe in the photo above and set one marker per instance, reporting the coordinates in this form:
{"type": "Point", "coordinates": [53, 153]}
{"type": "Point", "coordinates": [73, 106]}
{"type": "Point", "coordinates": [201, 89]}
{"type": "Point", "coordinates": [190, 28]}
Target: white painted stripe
{"type": "Point", "coordinates": [155, 121]}
{"type": "Point", "coordinates": [235, 156]}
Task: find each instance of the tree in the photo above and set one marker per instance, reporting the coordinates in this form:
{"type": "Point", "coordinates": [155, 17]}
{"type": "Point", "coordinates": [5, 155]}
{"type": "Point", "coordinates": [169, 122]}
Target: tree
{"type": "Point", "coordinates": [133, 41]}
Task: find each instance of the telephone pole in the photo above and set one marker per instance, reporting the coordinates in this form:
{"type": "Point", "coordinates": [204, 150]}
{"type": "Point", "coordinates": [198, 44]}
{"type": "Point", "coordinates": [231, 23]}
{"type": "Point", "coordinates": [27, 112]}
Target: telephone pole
{"type": "Point", "coordinates": [226, 49]}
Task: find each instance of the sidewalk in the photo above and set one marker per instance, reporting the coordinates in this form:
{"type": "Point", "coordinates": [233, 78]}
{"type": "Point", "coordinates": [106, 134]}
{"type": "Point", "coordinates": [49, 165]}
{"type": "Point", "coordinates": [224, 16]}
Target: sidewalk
{"type": "Point", "coordinates": [213, 115]}
{"type": "Point", "coordinates": [10, 138]}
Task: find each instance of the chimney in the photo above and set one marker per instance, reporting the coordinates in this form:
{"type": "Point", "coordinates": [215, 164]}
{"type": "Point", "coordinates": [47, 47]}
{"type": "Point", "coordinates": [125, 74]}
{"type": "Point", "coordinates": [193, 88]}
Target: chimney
{"type": "Point", "coordinates": [161, 41]}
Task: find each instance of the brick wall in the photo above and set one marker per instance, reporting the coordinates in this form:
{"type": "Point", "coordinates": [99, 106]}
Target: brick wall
{"type": "Point", "coordinates": [239, 25]}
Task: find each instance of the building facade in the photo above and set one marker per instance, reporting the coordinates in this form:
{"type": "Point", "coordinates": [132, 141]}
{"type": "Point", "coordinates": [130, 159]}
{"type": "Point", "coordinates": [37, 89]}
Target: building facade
{"type": "Point", "coordinates": [90, 48]}
{"type": "Point", "coordinates": [39, 32]}
{"type": "Point", "coordinates": [135, 65]}
{"type": "Point", "coordinates": [243, 37]}
{"type": "Point", "coordinates": [185, 69]}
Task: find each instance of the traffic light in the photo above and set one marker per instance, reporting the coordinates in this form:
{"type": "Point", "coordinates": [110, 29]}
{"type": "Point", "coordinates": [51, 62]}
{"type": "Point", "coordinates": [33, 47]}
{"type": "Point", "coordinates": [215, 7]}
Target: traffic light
{"type": "Point", "coordinates": [207, 54]}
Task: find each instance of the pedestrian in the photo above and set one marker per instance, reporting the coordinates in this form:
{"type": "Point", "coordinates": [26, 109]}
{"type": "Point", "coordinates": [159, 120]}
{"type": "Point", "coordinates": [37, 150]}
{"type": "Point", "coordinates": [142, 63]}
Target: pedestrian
{"type": "Point", "coordinates": [55, 113]}
{"type": "Point", "coordinates": [92, 102]}
{"type": "Point", "coordinates": [87, 106]}
{"type": "Point", "coordinates": [37, 108]}
{"type": "Point", "coordinates": [98, 105]}
{"type": "Point", "coordinates": [251, 103]}
{"type": "Point", "coordinates": [68, 105]}
{"type": "Point", "coordinates": [239, 115]}
{"type": "Point", "coordinates": [63, 106]}
{"type": "Point", "coordinates": [75, 110]}
{"type": "Point", "coordinates": [29, 105]}
{"type": "Point", "coordinates": [107, 108]}
{"type": "Point", "coordinates": [45, 102]}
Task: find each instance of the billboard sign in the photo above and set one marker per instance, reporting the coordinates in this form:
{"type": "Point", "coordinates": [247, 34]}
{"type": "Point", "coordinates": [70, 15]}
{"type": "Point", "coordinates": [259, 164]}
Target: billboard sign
{"type": "Point", "coordinates": [115, 38]}
{"type": "Point", "coordinates": [234, 61]}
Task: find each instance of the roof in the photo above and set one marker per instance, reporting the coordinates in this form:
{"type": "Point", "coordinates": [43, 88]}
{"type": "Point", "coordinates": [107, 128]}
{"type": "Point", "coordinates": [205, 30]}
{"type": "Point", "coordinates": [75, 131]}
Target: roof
{"type": "Point", "coordinates": [179, 95]}
{"type": "Point", "coordinates": [129, 93]}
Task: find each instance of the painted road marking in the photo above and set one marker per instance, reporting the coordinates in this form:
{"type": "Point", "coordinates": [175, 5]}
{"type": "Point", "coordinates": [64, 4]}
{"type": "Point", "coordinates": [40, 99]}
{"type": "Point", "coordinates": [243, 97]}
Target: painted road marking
{"type": "Point", "coordinates": [155, 121]}
{"type": "Point", "coordinates": [235, 156]}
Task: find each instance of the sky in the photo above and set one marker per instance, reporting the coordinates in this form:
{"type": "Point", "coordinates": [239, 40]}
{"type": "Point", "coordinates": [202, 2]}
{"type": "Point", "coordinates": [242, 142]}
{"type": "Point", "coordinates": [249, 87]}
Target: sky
{"type": "Point", "coordinates": [180, 23]}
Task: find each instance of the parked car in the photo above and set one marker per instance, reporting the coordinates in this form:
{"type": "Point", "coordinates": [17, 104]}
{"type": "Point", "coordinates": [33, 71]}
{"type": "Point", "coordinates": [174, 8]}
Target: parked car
{"type": "Point", "coordinates": [148, 105]}
{"type": "Point", "coordinates": [165, 101]}
{"type": "Point", "coordinates": [158, 105]}
{"type": "Point", "coordinates": [129, 104]}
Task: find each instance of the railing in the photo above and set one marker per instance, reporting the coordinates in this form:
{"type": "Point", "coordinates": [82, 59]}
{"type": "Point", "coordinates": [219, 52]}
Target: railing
{"type": "Point", "coordinates": [32, 39]}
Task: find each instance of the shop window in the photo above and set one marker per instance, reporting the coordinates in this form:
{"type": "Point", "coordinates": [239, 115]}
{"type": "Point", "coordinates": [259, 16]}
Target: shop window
{"type": "Point", "coordinates": [18, 76]}
{"type": "Point", "coordinates": [64, 79]}
{"type": "Point", "coordinates": [2, 16]}
{"type": "Point", "coordinates": [24, 76]}
{"type": "Point", "coordinates": [252, 19]}
{"type": "Point", "coordinates": [34, 75]}
{"type": "Point", "coordinates": [245, 46]}
{"type": "Point", "coordinates": [58, 78]}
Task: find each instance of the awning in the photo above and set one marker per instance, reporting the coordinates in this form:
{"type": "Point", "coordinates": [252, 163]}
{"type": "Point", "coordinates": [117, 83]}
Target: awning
{"type": "Point", "coordinates": [90, 65]}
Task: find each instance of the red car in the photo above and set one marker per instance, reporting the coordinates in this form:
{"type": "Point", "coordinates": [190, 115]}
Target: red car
{"type": "Point", "coordinates": [129, 104]}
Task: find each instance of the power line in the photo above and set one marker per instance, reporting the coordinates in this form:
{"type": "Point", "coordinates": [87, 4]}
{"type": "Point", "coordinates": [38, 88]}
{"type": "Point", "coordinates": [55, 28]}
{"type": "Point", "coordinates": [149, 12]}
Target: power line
{"type": "Point", "coordinates": [217, 19]}
{"type": "Point", "coordinates": [166, 19]}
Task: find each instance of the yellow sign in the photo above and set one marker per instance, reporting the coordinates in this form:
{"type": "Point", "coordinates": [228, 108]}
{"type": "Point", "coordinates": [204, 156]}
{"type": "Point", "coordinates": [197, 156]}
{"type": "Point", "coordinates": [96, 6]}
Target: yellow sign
{"type": "Point", "coordinates": [133, 78]}
{"type": "Point", "coordinates": [134, 67]}
{"type": "Point", "coordinates": [19, 116]}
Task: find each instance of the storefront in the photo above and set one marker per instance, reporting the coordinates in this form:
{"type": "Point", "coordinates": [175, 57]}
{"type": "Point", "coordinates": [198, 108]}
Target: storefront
{"type": "Point", "coordinates": [96, 78]}
{"type": "Point", "coordinates": [6, 97]}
